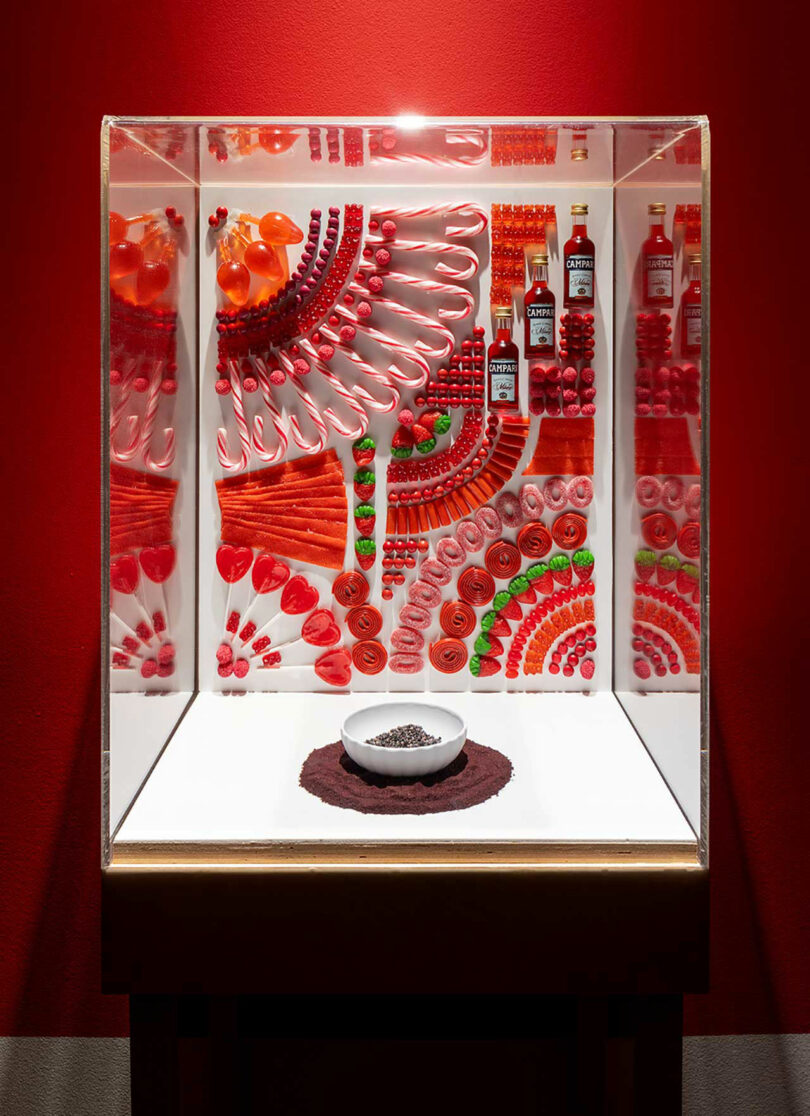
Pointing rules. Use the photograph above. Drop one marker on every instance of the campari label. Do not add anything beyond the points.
(659, 277)
(579, 276)
(503, 379)
(692, 322)
(541, 326)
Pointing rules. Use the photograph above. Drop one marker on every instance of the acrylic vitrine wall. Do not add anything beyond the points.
(316, 503)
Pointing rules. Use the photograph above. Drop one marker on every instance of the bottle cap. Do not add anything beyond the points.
(694, 258)
(578, 210)
(503, 312)
(579, 154)
(540, 259)
(656, 207)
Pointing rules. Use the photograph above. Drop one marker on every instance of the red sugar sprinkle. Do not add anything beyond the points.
(224, 653)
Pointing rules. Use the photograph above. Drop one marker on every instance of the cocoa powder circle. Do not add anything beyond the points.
(477, 774)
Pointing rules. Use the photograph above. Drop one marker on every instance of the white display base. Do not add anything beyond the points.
(581, 778)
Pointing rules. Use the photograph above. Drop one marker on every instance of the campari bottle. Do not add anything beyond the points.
(502, 364)
(658, 263)
(579, 257)
(539, 311)
(691, 312)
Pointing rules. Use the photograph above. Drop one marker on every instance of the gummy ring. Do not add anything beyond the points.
(470, 536)
(569, 530)
(424, 594)
(407, 639)
(369, 656)
(448, 655)
(531, 501)
(489, 521)
(436, 572)
(508, 508)
(672, 493)
(659, 530)
(350, 588)
(457, 619)
(414, 616)
(364, 621)
(555, 493)
(580, 492)
(692, 502)
(403, 663)
(534, 540)
(502, 559)
(451, 552)
(648, 491)
(476, 586)
(689, 539)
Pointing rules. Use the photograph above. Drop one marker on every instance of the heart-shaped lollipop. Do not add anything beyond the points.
(124, 574)
(320, 628)
(233, 562)
(298, 596)
(335, 667)
(269, 573)
(157, 562)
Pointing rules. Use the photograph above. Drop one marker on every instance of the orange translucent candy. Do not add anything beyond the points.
(125, 257)
(263, 259)
(277, 228)
(234, 279)
(118, 228)
(276, 140)
(151, 281)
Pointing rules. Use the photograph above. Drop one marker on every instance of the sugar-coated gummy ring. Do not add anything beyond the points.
(689, 539)
(555, 493)
(659, 530)
(672, 493)
(580, 492)
(457, 619)
(424, 594)
(407, 639)
(476, 586)
(489, 521)
(369, 656)
(414, 616)
(502, 559)
(451, 552)
(534, 540)
(448, 655)
(364, 621)
(648, 491)
(350, 588)
(569, 530)
(470, 535)
(436, 572)
(404, 663)
(508, 507)
(531, 501)
(692, 501)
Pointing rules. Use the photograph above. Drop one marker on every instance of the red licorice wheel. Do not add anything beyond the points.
(350, 588)
(369, 656)
(476, 586)
(502, 559)
(364, 621)
(448, 655)
(659, 530)
(534, 540)
(689, 539)
(569, 530)
(457, 619)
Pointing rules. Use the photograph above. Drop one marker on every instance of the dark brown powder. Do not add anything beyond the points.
(478, 773)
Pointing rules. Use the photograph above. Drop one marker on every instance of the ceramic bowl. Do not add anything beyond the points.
(371, 721)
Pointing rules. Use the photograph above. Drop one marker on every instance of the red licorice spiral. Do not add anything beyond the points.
(350, 588)
(534, 540)
(569, 530)
(457, 619)
(369, 656)
(503, 559)
(476, 586)
(448, 655)
(689, 539)
(364, 621)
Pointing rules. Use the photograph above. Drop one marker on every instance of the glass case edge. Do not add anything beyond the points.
(705, 476)
(104, 297)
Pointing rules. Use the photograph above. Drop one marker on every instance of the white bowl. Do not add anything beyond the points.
(436, 721)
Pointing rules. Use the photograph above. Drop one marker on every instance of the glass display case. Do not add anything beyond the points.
(403, 413)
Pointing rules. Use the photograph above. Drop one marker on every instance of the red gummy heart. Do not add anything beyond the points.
(298, 596)
(335, 667)
(269, 573)
(157, 562)
(320, 629)
(124, 574)
(233, 562)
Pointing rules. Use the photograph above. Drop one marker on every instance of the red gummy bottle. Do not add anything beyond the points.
(502, 364)
(658, 260)
(539, 311)
(579, 259)
(691, 311)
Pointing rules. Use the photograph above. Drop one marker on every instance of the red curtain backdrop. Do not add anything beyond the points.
(71, 63)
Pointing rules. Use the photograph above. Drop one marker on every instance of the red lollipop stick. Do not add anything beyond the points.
(125, 578)
(233, 562)
(297, 596)
(320, 629)
(268, 574)
(157, 563)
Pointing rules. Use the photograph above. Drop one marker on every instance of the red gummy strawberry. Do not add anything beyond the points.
(364, 483)
(645, 564)
(428, 419)
(687, 579)
(364, 519)
(560, 566)
(495, 645)
(582, 563)
(511, 610)
(482, 666)
(365, 551)
(527, 597)
(696, 595)
(668, 567)
(500, 626)
(543, 584)
(425, 442)
(402, 442)
(363, 451)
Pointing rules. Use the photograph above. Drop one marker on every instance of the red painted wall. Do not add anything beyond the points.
(69, 64)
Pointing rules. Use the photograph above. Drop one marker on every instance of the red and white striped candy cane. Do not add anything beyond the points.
(312, 409)
(477, 139)
(381, 406)
(415, 317)
(432, 286)
(266, 388)
(117, 416)
(346, 431)
(153, 398)
(439, 247)
(464, 209)
(398, 347)
(232, 465)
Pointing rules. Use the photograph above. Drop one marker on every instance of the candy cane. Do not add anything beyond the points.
(133, 445)
(464, 209)
(415, 317)
(381, 378)
(311, 408)
(148, 425)
(391, 343)
(475, 138)
(434, 287)
(266, 388)
(440, 247)
(340, 389)
(223, 453)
